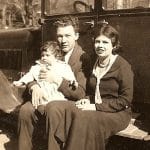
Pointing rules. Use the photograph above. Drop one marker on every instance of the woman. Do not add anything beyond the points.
(86, 124)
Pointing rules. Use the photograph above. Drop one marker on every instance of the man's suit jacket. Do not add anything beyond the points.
(80, 63)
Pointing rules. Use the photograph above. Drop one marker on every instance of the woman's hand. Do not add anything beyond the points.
(86, 107)
(82, 101)
(37, 95)
(84, 104)
(50, 76)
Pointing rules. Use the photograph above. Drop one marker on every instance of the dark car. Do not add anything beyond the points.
(20, 45)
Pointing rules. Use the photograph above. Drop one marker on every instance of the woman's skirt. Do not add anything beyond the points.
(84, 130)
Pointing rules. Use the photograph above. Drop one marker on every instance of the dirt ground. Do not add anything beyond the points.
(7, 141)
(8, 132)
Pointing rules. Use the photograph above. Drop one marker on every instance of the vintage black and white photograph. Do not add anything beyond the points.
(74, 74)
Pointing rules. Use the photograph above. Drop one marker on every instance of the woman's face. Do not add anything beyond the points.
(103, 46)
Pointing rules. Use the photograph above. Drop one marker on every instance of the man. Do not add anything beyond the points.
(67, 34)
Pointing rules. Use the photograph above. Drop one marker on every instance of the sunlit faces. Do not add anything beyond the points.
(103, 46)
(66, 37)
(48, 57)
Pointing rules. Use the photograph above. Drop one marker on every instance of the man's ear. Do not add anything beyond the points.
(76, 36)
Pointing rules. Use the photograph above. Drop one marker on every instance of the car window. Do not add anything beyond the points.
(16, 14)
(125, 4)
(54, 7)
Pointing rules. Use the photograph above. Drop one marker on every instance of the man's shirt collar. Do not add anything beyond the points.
(67, 56)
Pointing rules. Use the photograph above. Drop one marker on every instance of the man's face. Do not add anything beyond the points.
(66, 38)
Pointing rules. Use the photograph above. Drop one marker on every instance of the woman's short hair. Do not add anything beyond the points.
(110, 32)
(66, 21)
(53, 47)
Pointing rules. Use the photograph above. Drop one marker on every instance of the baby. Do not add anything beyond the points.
(50, 55)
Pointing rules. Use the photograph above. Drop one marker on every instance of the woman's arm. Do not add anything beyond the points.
(125, 92)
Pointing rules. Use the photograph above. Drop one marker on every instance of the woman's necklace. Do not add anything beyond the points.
(104, 65)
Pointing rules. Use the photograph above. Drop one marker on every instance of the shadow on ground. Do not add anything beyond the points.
(8, 141)
(122, 143)
(8, 132)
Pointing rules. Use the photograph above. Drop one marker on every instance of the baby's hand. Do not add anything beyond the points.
(18, 84)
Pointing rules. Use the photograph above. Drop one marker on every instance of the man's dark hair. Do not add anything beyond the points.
(66, 21)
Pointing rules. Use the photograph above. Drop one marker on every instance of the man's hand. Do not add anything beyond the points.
(37, 95)
(50, 76)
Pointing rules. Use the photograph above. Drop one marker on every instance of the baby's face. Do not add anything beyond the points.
(47, 57)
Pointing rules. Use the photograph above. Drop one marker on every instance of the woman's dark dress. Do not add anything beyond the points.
(88, 130)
